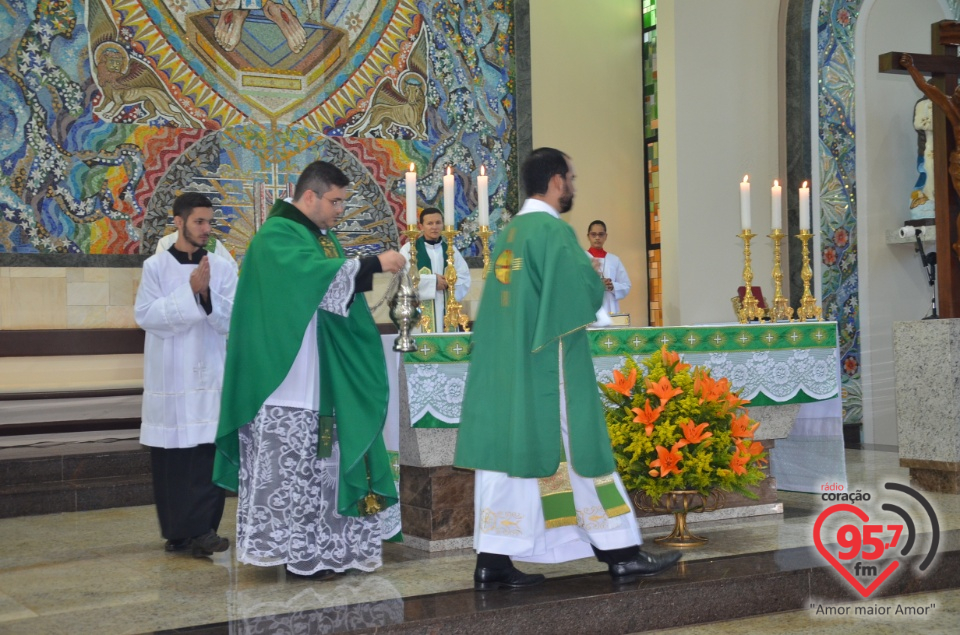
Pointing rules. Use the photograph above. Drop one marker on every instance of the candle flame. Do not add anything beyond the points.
(449, 170)
(745, 177)
(776, 183)
(804, 186)
(413, 168)
(482, 170)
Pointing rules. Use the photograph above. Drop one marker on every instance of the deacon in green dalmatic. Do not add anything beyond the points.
(532, 424)
(305, 392)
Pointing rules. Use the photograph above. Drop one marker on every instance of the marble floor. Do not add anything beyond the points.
(106, 572)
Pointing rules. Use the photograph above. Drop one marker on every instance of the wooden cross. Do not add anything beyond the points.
(944, 67)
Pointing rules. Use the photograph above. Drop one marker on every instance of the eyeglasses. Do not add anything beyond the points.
(336, 202)
(597, 235)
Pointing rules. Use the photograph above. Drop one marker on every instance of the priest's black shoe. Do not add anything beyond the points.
(485, 579)
(643, 564)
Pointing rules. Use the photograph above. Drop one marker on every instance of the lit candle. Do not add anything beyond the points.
(804, 207)
(776, 206)
(449, 193)
(745, 203)
(483, 199)
(411, 180)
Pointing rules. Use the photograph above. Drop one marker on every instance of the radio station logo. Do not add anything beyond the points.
(867, 551)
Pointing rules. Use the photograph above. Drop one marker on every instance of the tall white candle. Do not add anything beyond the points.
(483, 199)
(411, 181)
(745, 203)
(776, 206)
(804, 207)
(449, 194)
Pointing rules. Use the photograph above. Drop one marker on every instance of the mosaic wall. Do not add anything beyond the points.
(110, 108)
(836, 25)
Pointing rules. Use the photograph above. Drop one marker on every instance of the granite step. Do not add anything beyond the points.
(72, 477)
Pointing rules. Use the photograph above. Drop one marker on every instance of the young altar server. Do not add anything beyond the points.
(431, 262)
(614, 276)
(532, 425)
(305, 392)
(184, 303)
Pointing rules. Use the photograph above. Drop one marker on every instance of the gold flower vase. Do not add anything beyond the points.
(680, 503)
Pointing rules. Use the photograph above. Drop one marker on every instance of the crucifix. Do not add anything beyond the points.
(943, 66)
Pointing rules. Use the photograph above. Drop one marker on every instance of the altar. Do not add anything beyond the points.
(788, 371)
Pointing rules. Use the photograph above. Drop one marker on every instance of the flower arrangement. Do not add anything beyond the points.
(681, 430)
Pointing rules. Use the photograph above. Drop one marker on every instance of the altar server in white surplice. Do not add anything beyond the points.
(431, 261)
(184, 303)
(611, 270)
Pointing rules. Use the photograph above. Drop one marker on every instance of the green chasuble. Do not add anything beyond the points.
(284, 277)
(544, 292)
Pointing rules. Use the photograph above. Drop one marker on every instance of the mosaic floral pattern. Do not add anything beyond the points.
(110, 108)
(836, 26)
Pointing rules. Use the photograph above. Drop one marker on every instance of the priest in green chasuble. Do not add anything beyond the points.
(532, 424)
(305, 392)
(431, 262)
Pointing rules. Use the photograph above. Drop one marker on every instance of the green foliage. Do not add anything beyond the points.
(659, 439)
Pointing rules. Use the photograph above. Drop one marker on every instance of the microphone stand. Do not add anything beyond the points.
(929, 262)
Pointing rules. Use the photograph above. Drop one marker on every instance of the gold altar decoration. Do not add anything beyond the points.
(680, 503)
(412, 235)
(485, 233)
(453, 318)
(808, 309)
(749, 308)
(780, 310)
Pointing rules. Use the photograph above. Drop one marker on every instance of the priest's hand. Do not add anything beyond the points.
(608, 283)
(200, 278)
(441, 283)
(391, 261)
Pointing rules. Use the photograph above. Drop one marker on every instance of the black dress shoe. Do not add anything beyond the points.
(486, 579)
(643, 564)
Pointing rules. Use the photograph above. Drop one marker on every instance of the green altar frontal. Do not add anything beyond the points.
(770, 364)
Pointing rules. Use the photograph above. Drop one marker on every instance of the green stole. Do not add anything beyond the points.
(286, 273)
(556, 497)
(425, 265)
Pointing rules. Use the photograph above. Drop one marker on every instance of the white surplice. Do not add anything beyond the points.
(184, 350)
(428, 281)
(612, 267)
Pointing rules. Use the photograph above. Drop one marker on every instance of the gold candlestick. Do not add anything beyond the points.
(749, 309)
(485, 233)
(452, 317)
(808, 309)
(412, 235)
(781, 309)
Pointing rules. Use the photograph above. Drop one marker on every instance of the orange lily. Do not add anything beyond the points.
(694, 433)
(755, 449)
(709, 388)
(621, 384)
(671, 358)
(647, 416)
(738, 463)
(740, 427)
(667, 461)
(734, 401)
(663, 389)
